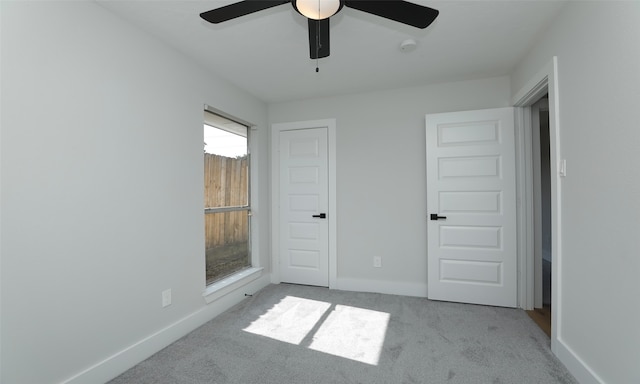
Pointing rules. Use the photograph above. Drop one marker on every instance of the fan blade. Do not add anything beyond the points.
(397, 10)
(318, 38)
(242, 8)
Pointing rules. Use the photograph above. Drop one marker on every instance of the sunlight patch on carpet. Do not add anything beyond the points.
(290, 320)
(353, 333)
(349, 332)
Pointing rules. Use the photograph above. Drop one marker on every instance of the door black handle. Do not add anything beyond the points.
(434, 216)
(320, 216)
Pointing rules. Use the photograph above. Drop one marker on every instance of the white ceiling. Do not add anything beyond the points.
(267, 53)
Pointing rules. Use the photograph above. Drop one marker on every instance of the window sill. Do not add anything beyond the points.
(227, 285)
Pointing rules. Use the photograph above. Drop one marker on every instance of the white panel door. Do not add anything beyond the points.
(304, 200)
(472, 207)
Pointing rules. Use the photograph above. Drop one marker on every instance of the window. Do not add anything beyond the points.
(226, 197)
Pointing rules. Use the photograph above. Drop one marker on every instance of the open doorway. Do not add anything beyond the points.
(545, 82)
(541, 194)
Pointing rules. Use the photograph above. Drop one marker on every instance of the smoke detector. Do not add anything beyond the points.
(408, 45)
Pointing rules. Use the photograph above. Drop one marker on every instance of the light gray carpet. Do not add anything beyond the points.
(299, 334)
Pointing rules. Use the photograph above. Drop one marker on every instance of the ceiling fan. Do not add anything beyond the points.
(318, 13)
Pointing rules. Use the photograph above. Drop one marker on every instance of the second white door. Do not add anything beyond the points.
(304, 200)
(472, 207)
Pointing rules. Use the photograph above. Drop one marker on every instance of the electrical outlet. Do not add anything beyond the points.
(166, 298)
(377, 261)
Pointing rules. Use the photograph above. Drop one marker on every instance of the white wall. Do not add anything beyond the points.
(598, 50)
(102, 191)
(381, 180)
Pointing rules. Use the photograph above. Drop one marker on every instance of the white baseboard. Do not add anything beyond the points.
(121, 361)
(578, 368)
(388, 287)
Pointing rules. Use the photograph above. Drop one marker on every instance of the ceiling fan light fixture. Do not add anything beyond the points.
(317, 9)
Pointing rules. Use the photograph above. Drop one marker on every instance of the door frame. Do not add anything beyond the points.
(276, 128)
(544, 82)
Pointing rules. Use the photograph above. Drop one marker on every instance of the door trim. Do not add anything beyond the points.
(276, 128)
(545, 81)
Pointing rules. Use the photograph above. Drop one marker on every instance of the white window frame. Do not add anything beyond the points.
(220, 288)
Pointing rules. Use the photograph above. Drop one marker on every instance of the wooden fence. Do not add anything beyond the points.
(225, 185)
